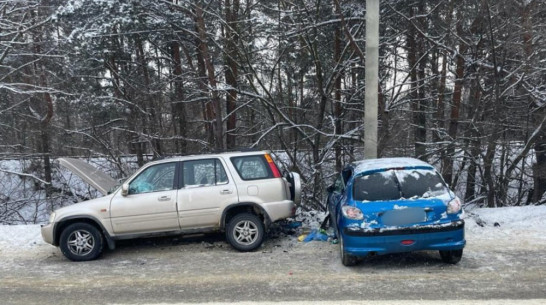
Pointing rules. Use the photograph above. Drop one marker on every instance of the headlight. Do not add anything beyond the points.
(352, 213)
(52, 217)
(454, 206)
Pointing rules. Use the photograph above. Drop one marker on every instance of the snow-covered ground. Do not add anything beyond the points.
(528, 221)
(518, 227)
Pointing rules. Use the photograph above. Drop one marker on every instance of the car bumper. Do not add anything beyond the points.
(47, 233)
(279, 210)
(362, 242)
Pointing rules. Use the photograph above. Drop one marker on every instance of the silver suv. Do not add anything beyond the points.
(239, 193)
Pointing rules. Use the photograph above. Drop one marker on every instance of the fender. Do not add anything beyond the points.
(86, 218)
(253, 205)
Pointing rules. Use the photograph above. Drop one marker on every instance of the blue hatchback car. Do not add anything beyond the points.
(390, 205)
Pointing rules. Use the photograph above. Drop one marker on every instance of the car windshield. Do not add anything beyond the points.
(393, 185)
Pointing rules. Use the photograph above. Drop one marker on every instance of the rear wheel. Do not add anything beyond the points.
(346, 259)
(451, 256)
(81, 242)
(245, 232)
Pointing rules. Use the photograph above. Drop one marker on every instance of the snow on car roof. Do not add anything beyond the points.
(385, 163)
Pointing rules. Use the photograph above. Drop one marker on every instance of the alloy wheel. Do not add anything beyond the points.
(245, 232)
(81, 242)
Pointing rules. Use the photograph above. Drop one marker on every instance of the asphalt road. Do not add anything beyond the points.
(206, 269)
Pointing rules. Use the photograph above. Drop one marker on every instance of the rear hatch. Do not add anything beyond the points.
(401, 198)
(403, 213)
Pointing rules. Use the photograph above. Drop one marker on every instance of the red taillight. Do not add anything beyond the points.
(272, 166)
(407, 242)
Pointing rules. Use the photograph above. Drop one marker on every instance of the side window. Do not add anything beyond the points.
(155, 178)
(205, 172)
(252, 167)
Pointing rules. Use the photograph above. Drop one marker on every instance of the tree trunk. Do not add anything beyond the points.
(421, 119)
(473, 143)
(204, 50)
(337, 95)
(455, 104)
(151, 122)
(208, 109)
(488, 175)
(179, 108)
(41, 78)
(416, 93)
(539, 168)
(440, 105)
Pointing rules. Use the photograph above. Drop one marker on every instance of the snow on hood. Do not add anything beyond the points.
(90, 174)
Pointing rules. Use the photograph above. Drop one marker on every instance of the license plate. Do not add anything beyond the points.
(402, 217)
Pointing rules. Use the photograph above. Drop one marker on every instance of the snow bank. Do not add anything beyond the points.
(485, 223)
(20, 237)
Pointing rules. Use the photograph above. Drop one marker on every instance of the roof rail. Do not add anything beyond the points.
(239, 149)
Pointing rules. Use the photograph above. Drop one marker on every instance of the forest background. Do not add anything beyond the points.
(462, 86)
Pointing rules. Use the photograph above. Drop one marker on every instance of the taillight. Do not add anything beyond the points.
(272, 166)
(352, 212)
(454, 206)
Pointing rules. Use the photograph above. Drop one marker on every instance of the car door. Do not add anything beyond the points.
(150, 205)
(334, 197)
(206, 190)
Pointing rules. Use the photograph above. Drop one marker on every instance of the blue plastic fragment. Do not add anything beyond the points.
(316, 235)
(293, 225)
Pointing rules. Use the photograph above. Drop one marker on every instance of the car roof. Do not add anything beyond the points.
(376, 165)
(228, 154)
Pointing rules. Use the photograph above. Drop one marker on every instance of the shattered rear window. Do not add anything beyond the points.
(419, 183)
(379, 186)
(397, 184)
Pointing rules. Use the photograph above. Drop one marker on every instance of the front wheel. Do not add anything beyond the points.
(245, 232)
(451, 256)
(81, 242)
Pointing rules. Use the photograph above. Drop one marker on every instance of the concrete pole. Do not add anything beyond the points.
(372, 79)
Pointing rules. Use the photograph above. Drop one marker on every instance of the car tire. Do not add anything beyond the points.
(346, 259)
(245, 232)
(451, 256)
(81, 242)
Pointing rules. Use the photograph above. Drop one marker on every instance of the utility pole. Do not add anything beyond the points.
(372, 79)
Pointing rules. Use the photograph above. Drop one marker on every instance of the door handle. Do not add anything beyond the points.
(226, 192)
(164, 198)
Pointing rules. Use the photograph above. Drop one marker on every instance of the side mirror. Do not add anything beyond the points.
(125, 189)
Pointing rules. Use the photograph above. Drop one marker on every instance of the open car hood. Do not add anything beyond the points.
(90, 174)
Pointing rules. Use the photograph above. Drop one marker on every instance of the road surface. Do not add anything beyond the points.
(510, 266)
